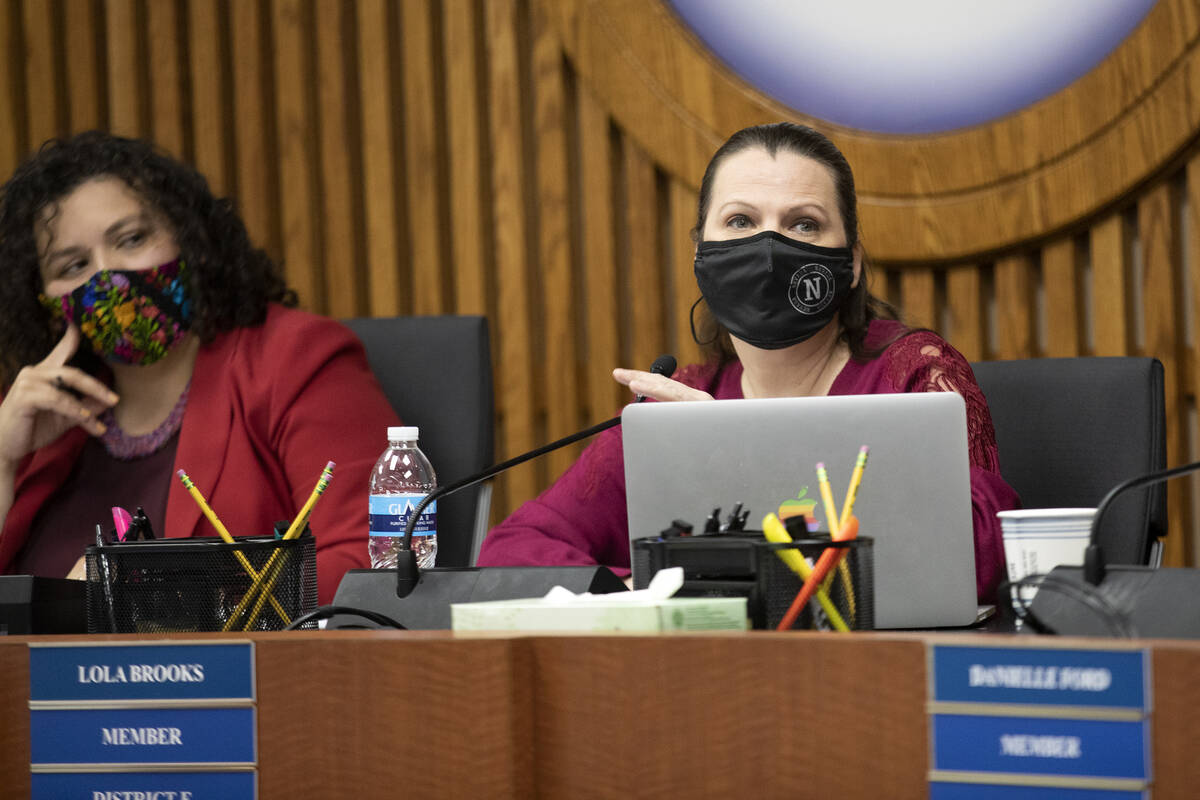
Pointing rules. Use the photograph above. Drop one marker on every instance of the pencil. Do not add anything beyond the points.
(207, 511)
(227, 538)
(855, 480)
(824, 564)
(318, 490)
(860, 464)
(774, 531)
(272, 571)
(827, 498)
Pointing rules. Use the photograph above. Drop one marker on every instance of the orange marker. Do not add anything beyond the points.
(824, 564)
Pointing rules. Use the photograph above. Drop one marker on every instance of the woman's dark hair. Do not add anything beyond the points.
(231, 281)
(860, 307)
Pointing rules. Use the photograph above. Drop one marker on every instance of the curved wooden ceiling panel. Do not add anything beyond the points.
(922, 198)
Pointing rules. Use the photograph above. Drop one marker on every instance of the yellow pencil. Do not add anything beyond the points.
(835, 529)
(827, 498)
(774, 531)
(227, 538)
(855, 480)
(272, 571)
(302, 518)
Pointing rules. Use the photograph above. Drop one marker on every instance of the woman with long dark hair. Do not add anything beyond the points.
(785, 312)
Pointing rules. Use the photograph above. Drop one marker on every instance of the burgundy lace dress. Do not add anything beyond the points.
(581, 518)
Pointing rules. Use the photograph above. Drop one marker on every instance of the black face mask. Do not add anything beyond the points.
(771, 291)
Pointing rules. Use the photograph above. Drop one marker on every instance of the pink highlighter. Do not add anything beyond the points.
(122, 519)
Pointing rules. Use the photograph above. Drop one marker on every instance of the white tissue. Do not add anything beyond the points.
(664, 584)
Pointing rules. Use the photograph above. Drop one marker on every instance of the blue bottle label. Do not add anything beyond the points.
(390, 513)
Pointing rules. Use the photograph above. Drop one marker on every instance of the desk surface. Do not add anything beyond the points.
(608, 716)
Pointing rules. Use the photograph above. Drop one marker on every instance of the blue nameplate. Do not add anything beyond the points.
(142, 736)
(218, 671)
(1037, 676)
(981, 791)
(1041, 746)
(157, 785)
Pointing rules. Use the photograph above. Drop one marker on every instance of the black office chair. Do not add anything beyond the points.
(1070, 429)
(437, 374)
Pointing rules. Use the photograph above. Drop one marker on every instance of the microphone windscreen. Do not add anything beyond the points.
(664, 365)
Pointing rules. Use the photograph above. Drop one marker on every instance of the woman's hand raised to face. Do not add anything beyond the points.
(49, 398)
(660, 387)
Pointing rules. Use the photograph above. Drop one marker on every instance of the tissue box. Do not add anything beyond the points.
(648, 616)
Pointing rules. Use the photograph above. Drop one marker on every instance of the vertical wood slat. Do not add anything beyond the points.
(1191, 548)
(167, 103)
(647, 327)
(1060, 279)
(297, 175)
(421, 145)
(41, 72)
(514, 372)
(86, 108)
(380, 159)
(125, 98)
(964, 302)
(918, 297)
(254, 124)
(682, 216)
(341, 253)
(1014, 307)
(1111, 266)
(12, 87)
(467, 178)
(561, 388)
(205, 50)
(1164, 339)
(599, 257)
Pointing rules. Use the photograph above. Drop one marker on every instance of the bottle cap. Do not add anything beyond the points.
(406, 433)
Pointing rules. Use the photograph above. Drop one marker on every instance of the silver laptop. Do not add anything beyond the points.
(683, 459)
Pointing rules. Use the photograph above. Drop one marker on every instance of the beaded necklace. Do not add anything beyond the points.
(124, 447)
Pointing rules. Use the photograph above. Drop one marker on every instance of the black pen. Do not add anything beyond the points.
(105, 578)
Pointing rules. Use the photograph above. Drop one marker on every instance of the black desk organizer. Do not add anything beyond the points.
(173, 585)
(744, 564)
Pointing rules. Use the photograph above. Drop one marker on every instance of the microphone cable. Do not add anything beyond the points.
(325, 612)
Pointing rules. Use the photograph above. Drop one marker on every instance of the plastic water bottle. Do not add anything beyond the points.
(401, 479)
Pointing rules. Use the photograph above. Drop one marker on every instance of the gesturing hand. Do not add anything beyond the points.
(660, 387)
(41, 405)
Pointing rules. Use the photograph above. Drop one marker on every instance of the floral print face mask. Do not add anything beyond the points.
(129, 316)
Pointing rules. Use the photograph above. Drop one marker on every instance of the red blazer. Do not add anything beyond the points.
(268, 406)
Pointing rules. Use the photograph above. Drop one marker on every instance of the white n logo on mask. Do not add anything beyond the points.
(811, 288)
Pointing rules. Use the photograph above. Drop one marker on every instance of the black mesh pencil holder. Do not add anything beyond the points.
(745, 564)
(851, 591)
(200, 584)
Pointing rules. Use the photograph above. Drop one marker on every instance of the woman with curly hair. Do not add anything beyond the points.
(140, 333)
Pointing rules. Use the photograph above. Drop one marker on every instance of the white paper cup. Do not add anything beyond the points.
(1037, 540)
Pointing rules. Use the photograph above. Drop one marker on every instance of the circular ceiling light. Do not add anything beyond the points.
(912, 67)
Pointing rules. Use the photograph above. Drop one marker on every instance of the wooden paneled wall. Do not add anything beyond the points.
(537, 161)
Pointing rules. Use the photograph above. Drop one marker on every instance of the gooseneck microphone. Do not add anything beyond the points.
(1097, 599)
(408, 574)
(1094, 568)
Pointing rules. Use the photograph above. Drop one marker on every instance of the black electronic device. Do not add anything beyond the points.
(428, 606)
(744, 564)
(31, 605)
(1102, 600)
(383, 591)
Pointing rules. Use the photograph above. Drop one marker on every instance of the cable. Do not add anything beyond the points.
(325, 612)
